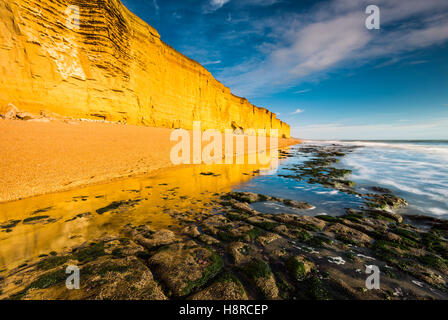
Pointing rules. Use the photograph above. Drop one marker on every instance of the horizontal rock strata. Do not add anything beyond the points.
(111, 66)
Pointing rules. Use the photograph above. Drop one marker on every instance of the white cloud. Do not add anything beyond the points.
(218, 3)
(333, 35)
(177, 15)
(416, 62)
(258, 2)
(206, 63)
(214, 5)
(156, 6)
(329, 131)
(387, 63)
(302, 91)
(298, 111)
(321, 45)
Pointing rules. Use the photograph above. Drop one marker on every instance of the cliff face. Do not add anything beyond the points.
(113, 67)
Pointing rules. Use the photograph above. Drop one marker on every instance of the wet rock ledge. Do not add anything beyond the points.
(240, 253)
(236, 252)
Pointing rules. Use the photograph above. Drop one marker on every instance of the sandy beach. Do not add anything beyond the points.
(46, 157)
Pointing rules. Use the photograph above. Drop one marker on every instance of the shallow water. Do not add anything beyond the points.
(414, 170)
(325, 200)
(58, 222)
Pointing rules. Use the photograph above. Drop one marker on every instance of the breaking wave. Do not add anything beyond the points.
(415, 170)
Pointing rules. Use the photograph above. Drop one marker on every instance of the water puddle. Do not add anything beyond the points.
(325, 200)
(57, 222)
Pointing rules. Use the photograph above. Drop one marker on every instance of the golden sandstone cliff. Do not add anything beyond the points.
(111, 66)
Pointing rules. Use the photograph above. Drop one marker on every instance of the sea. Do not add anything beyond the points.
(414, 170)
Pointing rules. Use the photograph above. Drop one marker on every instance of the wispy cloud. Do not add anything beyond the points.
(206, 63)
(214, 5)
(333, 35)
(298, 111)
(328, 131)
(302, 91)
(177, 15)
(258, 2)
(156, 6)
(387, 63)
(416, 62)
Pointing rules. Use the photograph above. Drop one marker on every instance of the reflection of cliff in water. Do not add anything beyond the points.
(57, 222)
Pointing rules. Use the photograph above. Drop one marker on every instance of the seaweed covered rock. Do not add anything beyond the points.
(318, 169)
(243, 207)
(349, 235)
(155, 239)
(239, 201)
(268, 238)
(385, 201)
(109, 269)
(227, 287)
(262, 277)
(248, 197)
(240, 252)
(299, 267)
(306, 222)
(297, 204)
(126, 278)
(385, 214)
(191, 231)
(184, 267)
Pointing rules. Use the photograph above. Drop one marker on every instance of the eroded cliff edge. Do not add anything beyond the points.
(113, 67)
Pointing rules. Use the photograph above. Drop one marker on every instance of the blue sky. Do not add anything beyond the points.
(316, 65)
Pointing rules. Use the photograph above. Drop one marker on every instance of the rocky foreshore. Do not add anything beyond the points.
(235, 252)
